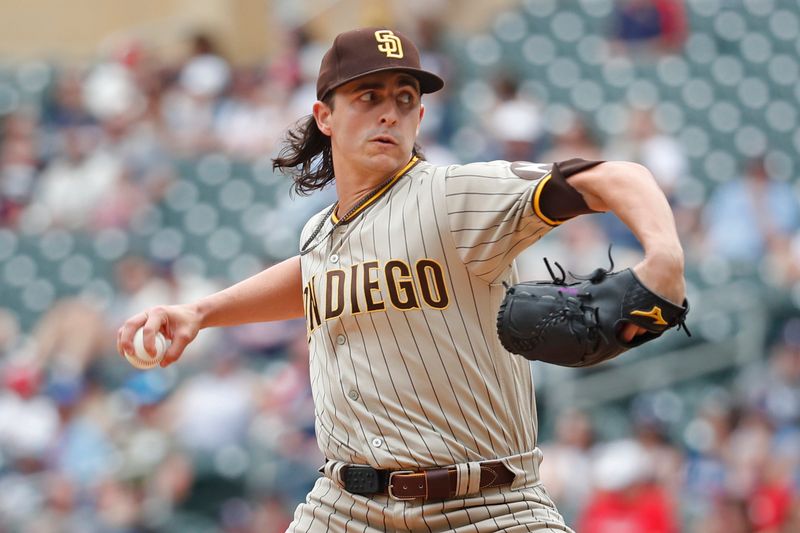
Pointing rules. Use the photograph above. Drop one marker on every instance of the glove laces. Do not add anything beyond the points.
(597, 276)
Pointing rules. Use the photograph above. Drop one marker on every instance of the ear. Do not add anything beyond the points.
(421, 114)
(322, 116)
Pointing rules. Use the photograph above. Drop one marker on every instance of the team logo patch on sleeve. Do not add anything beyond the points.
(530, 171)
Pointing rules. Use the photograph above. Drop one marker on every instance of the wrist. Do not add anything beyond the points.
(200, 312)
(670, 259)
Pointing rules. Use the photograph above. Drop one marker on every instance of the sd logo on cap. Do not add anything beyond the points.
(389, 43)
(365, 51)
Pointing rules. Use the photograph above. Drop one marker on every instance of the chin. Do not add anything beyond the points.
(387, 162)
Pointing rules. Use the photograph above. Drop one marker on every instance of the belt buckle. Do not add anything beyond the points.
(389, 486)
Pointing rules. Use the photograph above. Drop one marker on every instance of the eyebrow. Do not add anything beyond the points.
(404, 81)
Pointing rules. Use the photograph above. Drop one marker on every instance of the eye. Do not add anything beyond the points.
(368, 96)
(406, 98)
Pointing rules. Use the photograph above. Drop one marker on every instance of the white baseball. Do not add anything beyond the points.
(140, 358)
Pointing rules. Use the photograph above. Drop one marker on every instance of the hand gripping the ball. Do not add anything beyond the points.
(578, 324)
(178, 323)
(141, 358)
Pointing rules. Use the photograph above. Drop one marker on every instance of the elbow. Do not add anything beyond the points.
(611, 177)
(629, 177)
(626, 173)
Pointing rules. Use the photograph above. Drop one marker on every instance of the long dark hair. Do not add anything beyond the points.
(306, 154)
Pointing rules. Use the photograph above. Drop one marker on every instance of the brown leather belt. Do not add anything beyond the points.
(433, 484)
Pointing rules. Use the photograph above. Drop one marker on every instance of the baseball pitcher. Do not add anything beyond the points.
(426, 421)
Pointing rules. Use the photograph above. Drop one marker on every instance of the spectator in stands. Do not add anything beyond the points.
(84, 451)
(286, 424)
(651, 431)
(58, 347)
(774, 386)
(706, 472)
(66, 109)
(206, 72)
(10, 334)
(252, 116)
(625, 497)
(188, 107)
(567, 472)
(573, 138)
(747, 219)
(757, 476)
(643, 142)
(212, 410)
(136, 140)
(636, 23)
(28, 421)
(793, 272)
(648, 25)
(728, 514)
(514, 122)
(439, 124)
(74, 184)
(110, 91)
(285, 69)
(674, 23)
(19, 166)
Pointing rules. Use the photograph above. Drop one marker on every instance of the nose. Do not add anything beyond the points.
(389, 113)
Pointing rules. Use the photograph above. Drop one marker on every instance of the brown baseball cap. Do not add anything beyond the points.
(365, 51)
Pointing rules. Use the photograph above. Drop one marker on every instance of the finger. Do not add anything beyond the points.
(155, 320)
(629, 331)
(175, 350)
(127, 331)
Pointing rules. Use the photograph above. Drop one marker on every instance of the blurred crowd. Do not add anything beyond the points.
(733, 468)
(224, 441)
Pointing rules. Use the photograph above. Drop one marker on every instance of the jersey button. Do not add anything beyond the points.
(340, 340)
(377, 442)
(334, 258)
(353, 395)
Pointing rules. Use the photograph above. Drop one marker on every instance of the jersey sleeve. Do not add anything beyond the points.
(491, 213)
(497, 209)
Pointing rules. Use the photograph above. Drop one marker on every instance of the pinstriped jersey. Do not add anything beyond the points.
(401, 301)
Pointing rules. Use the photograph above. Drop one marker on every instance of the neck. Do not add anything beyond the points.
(349, 192)
(352, 186)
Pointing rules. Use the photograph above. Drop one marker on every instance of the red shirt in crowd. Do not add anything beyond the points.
(643, 509)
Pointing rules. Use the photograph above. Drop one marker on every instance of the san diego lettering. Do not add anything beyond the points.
(369, 287)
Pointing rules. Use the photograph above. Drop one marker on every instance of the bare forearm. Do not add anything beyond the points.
(630, 192)
(274, 294)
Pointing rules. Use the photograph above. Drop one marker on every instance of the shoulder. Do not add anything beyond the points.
(489, 169)
(524, 170)
(485, 168)
(425, 170)
(482, 168)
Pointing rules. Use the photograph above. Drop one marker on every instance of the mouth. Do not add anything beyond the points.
(387, 140)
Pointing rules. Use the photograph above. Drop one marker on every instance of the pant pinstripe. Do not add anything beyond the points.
(330, 508)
